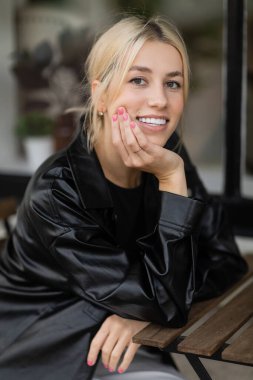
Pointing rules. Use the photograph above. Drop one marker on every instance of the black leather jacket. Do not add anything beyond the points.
(62, 271)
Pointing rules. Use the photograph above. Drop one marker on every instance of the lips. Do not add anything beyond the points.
(152, 122)
(153, 119)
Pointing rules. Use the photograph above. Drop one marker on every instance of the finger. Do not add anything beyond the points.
(142, 150)
(128, 138)
(131, 142)
(142, 140)
(117, 352)
(128, 357)
(96, 345)
(124, 120)
(117, 137)
(107, 350)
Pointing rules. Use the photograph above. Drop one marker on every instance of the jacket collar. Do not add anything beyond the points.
(90, 180)
(88, 174)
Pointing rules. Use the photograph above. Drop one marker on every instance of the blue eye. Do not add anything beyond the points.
(174, 85)
(138, 81)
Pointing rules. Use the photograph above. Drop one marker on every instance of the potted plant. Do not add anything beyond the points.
(36, 131)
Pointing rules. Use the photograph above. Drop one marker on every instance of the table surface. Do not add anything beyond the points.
(211, 324)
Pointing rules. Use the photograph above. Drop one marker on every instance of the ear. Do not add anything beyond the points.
(101, 101)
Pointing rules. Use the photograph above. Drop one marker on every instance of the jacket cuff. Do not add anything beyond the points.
(180, 212)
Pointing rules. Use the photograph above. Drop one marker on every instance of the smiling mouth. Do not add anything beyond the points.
(153, 121)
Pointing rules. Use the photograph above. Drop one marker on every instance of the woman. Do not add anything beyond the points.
(106, 238)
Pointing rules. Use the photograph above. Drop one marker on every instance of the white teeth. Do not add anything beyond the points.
(152, 120)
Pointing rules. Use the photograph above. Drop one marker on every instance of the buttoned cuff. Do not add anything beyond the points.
(180, 212)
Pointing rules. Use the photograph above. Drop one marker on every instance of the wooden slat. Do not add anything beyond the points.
(241, 350)
(249, 259)
(210, 336)
(159, 336)
(154, 335)
(8, 207)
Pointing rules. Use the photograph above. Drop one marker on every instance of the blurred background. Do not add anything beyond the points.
(43, 45)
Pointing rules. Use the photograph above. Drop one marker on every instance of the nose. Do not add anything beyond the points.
(158, 97)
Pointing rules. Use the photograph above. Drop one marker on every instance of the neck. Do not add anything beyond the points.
(114, 168)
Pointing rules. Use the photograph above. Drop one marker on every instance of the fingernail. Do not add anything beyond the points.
(114, 117)
(106, 366)
(90, 362)
(111, 370)
(120, 370)
(120, 110)
(132, 124)
(125, 116)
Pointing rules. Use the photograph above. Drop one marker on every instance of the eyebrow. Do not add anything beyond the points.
(171, 74)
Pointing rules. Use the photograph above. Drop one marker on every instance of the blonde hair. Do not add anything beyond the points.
(113, 54)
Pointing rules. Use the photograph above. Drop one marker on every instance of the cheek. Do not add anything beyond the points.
(179, 105)
(127, 99)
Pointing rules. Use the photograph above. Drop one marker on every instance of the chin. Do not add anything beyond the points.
(158, 140)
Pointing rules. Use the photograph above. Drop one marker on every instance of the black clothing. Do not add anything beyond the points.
(129, 215)
(62, 271)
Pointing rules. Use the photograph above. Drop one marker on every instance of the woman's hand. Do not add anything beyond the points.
(113, 339)
(138, 152)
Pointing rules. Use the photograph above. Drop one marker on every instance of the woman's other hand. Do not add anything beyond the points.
(138, 152)
(114, 340)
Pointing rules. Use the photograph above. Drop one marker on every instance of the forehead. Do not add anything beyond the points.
(158, 55)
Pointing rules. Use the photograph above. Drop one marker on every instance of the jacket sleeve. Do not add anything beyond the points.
(219, 263)
(156, 285)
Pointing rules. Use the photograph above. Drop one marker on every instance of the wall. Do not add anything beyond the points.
(7, 85)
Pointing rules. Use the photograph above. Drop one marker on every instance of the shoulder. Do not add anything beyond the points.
(52, 194)
(54, 170)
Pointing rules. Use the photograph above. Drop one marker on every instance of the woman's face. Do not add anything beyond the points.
(152, 92)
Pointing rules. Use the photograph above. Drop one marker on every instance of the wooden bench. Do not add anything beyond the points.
(218, 320)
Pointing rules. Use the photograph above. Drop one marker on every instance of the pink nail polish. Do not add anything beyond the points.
(90, 362)
(114, 117)
(132, 124)
(120, 110)
(111, 370)
(125, 116)
(120, 370)
(106, 366)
